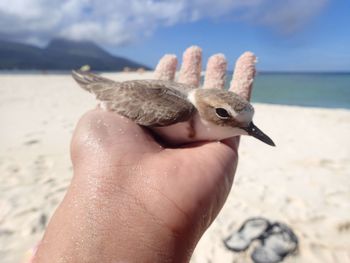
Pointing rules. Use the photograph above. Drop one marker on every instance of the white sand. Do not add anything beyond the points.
(303, 182)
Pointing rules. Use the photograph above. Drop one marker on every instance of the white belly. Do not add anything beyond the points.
(196, 130)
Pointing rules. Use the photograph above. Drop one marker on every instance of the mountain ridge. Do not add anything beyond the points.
(61, 54)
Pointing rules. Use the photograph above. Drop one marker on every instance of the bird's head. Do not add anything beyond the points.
(227, 110)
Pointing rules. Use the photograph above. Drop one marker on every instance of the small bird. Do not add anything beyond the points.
(177, 112)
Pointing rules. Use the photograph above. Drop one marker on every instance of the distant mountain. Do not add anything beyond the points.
(61, 54)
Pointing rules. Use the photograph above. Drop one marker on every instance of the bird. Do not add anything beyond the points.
(176, 112)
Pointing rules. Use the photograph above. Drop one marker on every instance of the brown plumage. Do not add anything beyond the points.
(152, 103)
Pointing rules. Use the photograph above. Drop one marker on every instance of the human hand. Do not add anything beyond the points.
(134, 200)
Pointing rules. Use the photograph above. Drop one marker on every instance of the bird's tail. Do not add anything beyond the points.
(88, 80)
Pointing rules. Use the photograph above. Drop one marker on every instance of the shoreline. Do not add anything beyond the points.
(266, 88)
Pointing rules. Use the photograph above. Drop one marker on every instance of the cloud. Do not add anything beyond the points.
(117, 22)
(289, 16)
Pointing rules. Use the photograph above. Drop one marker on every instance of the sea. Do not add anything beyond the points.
(325, 90)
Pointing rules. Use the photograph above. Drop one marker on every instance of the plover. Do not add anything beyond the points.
(177, 112)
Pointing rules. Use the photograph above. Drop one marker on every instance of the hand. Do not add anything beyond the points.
(133, 200)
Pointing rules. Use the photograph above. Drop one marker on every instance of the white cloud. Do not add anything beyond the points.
(115, 22)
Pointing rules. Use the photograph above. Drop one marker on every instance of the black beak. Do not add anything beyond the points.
(257, 133)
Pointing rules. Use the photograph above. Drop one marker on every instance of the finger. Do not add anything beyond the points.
(243, 77)
(166, 68)
(190, 72)
(215, 75)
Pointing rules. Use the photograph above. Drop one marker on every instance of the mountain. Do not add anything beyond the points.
(61, 54)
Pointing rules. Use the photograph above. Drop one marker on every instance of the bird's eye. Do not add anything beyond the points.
(222, 113)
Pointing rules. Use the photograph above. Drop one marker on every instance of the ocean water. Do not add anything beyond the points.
(327, 90)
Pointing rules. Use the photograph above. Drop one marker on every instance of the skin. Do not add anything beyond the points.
(132, 199)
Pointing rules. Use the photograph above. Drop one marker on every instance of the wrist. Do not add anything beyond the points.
(109, 223)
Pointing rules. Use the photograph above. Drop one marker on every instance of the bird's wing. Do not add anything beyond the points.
(147, 102)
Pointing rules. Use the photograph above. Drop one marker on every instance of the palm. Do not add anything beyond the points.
(190, 182)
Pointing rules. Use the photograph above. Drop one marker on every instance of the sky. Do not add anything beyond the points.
(286, 35)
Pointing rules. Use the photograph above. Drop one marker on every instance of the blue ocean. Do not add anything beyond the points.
(327, 90)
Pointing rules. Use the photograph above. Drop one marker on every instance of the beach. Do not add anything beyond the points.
(303, 182)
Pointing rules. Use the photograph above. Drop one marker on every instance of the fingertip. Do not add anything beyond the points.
(192, 50)
(219, 57)
(190, 72)
(215, 75)
(247, 58)
(248, 54)
(244, 73)
(166, 67)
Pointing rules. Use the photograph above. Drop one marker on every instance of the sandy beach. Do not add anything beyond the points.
(303, 182)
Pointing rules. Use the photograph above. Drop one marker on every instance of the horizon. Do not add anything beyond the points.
(291, 37)
(229, 72)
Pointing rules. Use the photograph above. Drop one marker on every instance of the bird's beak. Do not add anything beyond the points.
(257, 133)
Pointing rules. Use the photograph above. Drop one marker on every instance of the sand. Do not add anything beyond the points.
(303, 182)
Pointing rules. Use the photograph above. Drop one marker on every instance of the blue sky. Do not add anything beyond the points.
(323, 44)
(288, 35)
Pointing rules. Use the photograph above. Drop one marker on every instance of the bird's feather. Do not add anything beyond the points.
(152, 103)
